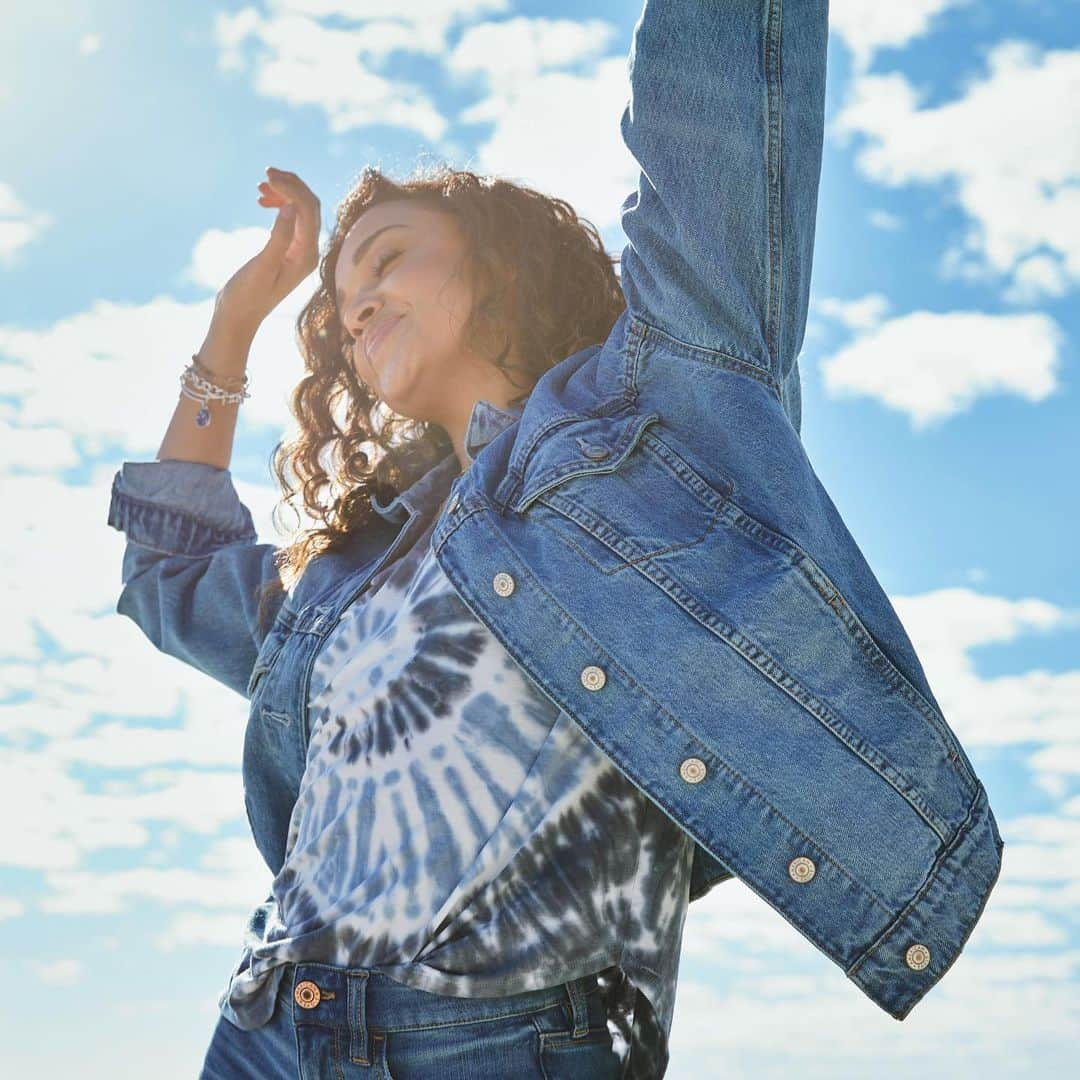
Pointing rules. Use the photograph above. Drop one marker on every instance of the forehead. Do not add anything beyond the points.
(396, 212)
(417, 219)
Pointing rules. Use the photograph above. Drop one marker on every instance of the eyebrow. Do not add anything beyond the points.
(363, 249)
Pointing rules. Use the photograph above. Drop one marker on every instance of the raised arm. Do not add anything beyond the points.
(725, 120)
(192, 570)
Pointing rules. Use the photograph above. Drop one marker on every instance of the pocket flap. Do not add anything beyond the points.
(583, 445)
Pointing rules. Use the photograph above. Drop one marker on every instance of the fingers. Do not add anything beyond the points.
(285, 187)
(269, 197)
(291, 184)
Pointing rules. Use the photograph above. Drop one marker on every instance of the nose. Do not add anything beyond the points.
(361, 319)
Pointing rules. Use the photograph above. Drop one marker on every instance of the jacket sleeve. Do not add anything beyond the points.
(191, 566)
(725, 120)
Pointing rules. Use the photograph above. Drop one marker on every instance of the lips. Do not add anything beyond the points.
(379, 331)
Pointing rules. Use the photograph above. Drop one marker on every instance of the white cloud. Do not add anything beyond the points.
(230, 879)
(862, 314)
(933, 365)
(1007, 151)
(869, 25)
(140, 351)
(59, 972)
(947, 628)
(19, 225)
(219, 253)
(763, 976)
(38, 449)
(510, 53)
(883, 219)
(541, 125)
(542, 115)
(11, 908)
(300, 62)
(1036, 278)
(63, 823)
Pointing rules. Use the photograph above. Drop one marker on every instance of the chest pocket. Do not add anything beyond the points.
(270, 650)
(618, 493)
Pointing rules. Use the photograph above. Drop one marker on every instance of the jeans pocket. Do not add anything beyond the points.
(591, 1056)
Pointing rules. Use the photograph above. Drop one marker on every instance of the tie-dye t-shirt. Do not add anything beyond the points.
(459, 832)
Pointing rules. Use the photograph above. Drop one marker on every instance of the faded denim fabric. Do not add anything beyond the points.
(683, 586)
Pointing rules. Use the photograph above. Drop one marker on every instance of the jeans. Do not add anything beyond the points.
(336, 1023)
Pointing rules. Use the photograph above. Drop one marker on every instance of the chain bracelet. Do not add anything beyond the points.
(194, 386)
(222, 380)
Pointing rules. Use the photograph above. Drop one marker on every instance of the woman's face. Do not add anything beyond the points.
(398, 272)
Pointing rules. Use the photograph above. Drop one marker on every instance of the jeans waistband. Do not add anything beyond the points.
(367, 1002)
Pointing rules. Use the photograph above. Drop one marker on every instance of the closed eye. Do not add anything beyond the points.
(380, 265)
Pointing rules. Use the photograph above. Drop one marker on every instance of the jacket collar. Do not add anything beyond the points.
(427, 493)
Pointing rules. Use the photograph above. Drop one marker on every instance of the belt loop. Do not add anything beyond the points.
(579, 1005)
(358, 1030)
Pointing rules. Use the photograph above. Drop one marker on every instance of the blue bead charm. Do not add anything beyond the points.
(202, 417)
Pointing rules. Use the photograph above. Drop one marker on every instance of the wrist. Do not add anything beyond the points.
(226, 349)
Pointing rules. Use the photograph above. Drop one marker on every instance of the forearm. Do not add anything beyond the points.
(224, 351)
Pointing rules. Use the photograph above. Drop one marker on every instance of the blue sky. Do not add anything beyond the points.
(939, 409)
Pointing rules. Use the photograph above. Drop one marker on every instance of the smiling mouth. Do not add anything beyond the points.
(381, 333)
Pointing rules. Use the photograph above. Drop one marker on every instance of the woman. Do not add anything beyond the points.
(452, 826)
(539, 679)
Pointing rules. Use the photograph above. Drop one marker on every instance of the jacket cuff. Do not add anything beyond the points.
(178, 507)
(921, 944)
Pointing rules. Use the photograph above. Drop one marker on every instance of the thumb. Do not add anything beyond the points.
(282, 228)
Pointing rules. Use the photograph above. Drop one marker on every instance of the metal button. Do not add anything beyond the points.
(597, 453)
(306, 994)
(593, 678)
(454, 503)
(503, 583)
(801, 869)
(692, 770)
(918, 956)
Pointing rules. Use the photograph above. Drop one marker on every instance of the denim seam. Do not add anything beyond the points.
(478, 1019)
(774, 105)
(942, 860)
(624, 565)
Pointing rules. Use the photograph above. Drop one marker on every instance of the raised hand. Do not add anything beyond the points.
(290, 255)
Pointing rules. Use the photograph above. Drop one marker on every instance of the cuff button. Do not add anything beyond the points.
(917, 957)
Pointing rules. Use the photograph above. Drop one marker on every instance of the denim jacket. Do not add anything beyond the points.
(649, 540)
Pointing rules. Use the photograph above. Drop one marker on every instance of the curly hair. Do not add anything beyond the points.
(546, 286)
